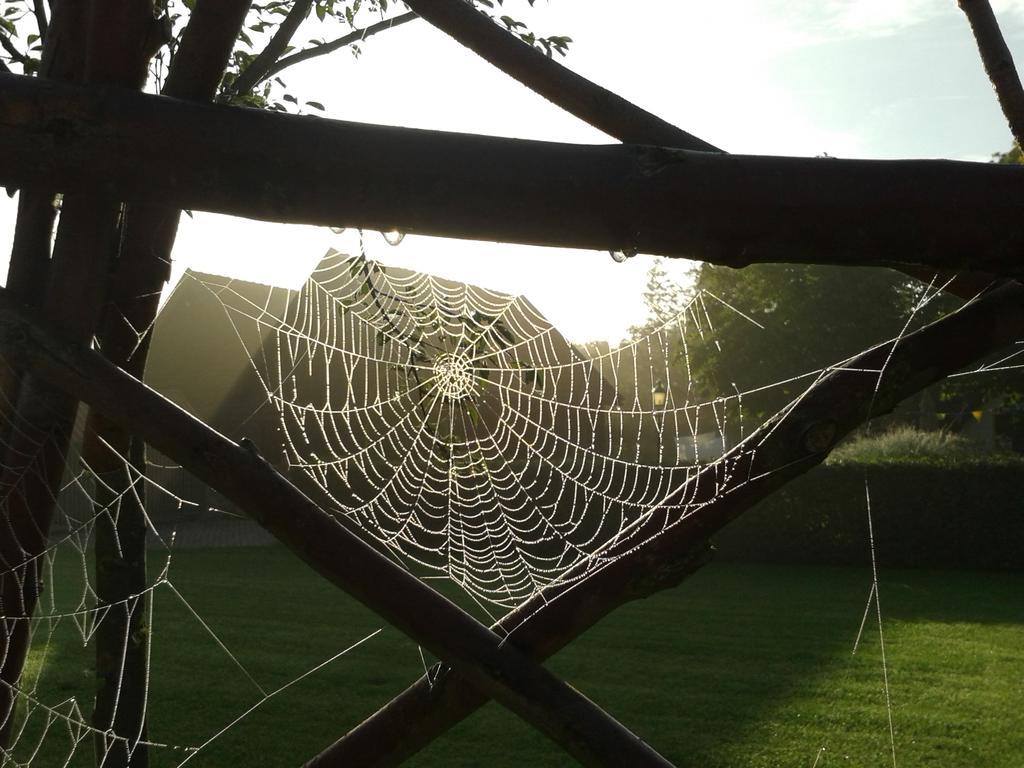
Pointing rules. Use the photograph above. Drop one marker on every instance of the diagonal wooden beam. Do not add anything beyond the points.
(241, 475)
(727, 209)
(666, 549)
(596, 106)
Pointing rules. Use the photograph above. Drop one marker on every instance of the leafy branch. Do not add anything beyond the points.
(256, 70)
(322, 49)
(549, 45)
(7, 30)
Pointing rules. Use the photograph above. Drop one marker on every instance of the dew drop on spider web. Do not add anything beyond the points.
(393, 236)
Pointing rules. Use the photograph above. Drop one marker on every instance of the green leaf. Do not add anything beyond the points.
(316, 105)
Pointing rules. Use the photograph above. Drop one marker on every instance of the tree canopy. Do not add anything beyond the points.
(771, 326)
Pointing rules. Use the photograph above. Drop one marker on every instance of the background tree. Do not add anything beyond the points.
(772, 325)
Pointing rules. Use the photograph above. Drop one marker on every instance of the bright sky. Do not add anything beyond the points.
(853, 78)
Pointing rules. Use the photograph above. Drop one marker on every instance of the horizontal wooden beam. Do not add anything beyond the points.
(322, 542)
(726, 209)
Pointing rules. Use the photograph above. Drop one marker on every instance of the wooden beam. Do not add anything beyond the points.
(727, 209)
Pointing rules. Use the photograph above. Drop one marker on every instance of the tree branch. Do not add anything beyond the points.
(593, 104)
(726, 209)
(258, 68)
(8, 46)
(40, 13)
(998, 62)
(324, 48)
(205, 49)
(242, 476)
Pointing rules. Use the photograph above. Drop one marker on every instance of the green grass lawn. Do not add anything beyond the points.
(741, 666)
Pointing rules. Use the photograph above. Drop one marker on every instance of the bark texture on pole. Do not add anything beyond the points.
(118, 38)
(63, 59)
(43, 422)
(142, 268)
(727, 209)
(998, 63)
(241, 475)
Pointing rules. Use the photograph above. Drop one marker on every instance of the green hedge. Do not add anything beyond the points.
(925, 516)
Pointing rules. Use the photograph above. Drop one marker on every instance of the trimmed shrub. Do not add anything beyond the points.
(933, 514)
(907, 445)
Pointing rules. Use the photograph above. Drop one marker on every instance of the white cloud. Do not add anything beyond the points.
(881, 17)
(817, 21)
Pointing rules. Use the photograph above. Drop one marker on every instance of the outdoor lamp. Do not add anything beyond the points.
(658, 393)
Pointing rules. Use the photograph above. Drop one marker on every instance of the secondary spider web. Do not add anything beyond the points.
(52, 722)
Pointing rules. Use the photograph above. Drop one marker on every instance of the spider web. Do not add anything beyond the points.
(452, 424)
(461, 431)
(52, 721)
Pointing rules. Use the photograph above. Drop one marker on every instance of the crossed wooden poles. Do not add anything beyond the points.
(931, 216)
(870, 384)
